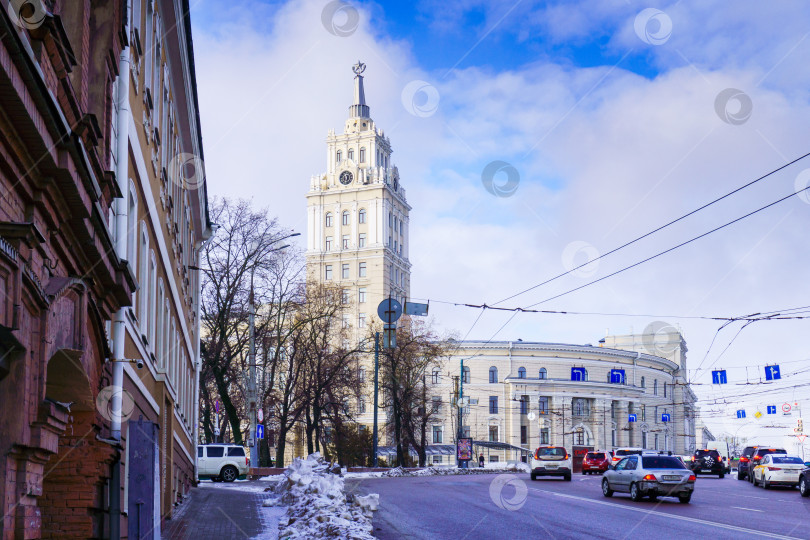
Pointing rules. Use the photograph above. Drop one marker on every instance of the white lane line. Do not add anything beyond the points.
(749, 509)
(671, 516)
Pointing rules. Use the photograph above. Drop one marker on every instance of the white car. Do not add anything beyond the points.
(778, 469)
(551, 461)
(221, 462)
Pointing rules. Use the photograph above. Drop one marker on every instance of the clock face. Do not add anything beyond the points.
(345, 178)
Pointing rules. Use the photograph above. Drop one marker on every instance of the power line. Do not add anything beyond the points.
(658, 229)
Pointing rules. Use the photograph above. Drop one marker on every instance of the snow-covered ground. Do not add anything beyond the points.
(442, 471)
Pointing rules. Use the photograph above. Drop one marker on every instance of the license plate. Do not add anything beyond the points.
(671, 478)
(705, 470)
(549, 466)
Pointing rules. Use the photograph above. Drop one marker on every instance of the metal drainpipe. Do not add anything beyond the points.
(118, 330)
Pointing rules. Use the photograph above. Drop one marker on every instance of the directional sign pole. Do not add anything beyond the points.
(376, 388)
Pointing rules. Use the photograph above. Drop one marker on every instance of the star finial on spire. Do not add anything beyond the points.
(359, 68)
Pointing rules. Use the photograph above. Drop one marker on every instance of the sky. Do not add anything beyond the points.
(533, 136)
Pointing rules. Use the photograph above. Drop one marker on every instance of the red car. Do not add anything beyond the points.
(595, 462)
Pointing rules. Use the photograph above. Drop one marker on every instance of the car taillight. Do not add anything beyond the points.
(247, 461)
(744, 459)
(649, 477)
(757, 458)
(774, 468)
(692, 478)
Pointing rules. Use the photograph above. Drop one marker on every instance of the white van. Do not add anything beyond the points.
(722, 449)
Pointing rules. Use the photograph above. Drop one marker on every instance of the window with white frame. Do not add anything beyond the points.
(344, 271)
(437, 458)
(338, 156)
(434, 376)
(350, 153)
(328, 219)
(362, 155)
(345, 218)
(361, 216)
(361, 374)
(493, 434)
(361, 320)
(160, 337)
(328, 245)
(361, 406)
(361, 269)
(361, 240)
(437, 434)
(143, 278)
(361, 294)
(152, 315)
(344, 296)
(345, 241)
(327, 272)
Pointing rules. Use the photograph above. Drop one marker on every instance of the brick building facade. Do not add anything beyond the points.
(74, 219)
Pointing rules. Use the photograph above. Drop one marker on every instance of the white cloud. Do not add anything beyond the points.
(603, 154)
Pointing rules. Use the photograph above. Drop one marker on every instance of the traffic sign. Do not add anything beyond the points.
(260, 415)
(772, 373)
(665, 417)
(389, 310)
(719, 376)
(741, 413)
(216, 431)
(801, 438)
(771, 409)
(786, 408)
(216, 406)
(419, 310)
(260, 431)
(578, 374)
(758, 415)
(631, 418)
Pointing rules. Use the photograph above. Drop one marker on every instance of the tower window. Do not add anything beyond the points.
(362, 155)
(328, 220)
(350, 153)
(345, 218)
(339, 156)
(361, 216)
(361, 269)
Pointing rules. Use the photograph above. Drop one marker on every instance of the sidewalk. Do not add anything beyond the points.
(217, 511)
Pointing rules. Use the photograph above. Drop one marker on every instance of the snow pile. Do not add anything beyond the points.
(446, 471)
(317, 506)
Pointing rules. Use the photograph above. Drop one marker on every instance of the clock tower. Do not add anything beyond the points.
(357, 222)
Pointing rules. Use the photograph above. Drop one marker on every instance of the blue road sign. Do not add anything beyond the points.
(631, 418)
(617, 376)
(578, 374)
(741, 413)
(771, 409)
(260, 431)
(389, 310)
(772, 373)
(719, 376)
(665, 417)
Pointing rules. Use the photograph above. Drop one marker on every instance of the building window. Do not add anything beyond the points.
(346, 321)
(465, 431)
(361, 321)
(361, 269)
(345, 241)
(328, 219)
(361, 295)
(613, 437)
(644, 414)
(655, 387)
(544, 436)
(361, 216)
(362, 155)
(327, 271)
(465, 375)
(579, 437)
(493, 404)
(655, 417)
(524, 404)
(542, 374)
(361, 406)
(437, 434)
(434, 377)
(665, 389)
(361, 240)
(361, 375)
(644, 439)
(493, 375)
(344, 296)
(344, 271)
(643, 384)
(655, 439)
(524, 434)
(543, 405)
(437, 458)
(613, 410)
(390, 220)
(493, 435)
(581, 407)
(328, 243)
(345, 218)
(339, 156)
(435, 404)
(522, 373)
(350, 153)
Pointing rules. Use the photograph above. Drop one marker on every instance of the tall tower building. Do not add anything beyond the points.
(357, 226)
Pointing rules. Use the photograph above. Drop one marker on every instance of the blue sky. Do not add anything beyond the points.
(613, 114)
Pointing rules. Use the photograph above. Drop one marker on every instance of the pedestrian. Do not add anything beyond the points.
(481, 461)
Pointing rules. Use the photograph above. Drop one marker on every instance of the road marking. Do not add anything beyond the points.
(671, 516)
(749, 509)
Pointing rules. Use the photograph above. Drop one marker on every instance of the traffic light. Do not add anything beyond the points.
(799, 426)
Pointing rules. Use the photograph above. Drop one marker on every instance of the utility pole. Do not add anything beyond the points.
(456, 402)
(376, 388)
(252, 397)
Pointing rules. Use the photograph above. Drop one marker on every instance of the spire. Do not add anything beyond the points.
(359, 107)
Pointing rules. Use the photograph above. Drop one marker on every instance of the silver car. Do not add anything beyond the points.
(650, 475)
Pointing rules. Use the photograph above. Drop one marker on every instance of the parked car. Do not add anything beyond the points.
(759, 453)
(619, 453)
(221, 462)
(744, 465)
(595, 462)
(650, 475)
(778, 469)
(804, 481)
(551, 461)
(708, 462)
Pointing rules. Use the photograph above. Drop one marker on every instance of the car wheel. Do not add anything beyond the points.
(721, 475)
(229, 473)
(584, 473)
(754, 480)
(740, 476)
(804, 489)
(653, 497)
(684, 498)
(533, 476)
(765, 483)
(568, 477)
(635, 493)
(606, 491)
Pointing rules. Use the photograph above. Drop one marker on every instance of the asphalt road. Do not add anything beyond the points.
(513, 506)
